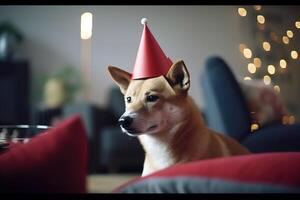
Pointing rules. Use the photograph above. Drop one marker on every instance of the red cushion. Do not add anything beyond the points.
(276, 169)
(55, 161)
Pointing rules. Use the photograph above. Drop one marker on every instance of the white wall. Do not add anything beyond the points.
(191, 33)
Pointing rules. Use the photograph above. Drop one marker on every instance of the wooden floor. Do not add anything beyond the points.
(106, 183)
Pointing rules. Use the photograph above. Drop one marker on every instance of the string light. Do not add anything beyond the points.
(267, 80)
(251, 68)
(288, 119)
(260, 19)
(282, 63)
(294, 54)
(254, 127)
(257, 62)
(297, 24)
(285, 40)
(242, 12)
(276, 88)
(247, 53)
(257, 7)
(271, 69)
(266, 46)
(292, 119)
(285, 119)
(289, 33)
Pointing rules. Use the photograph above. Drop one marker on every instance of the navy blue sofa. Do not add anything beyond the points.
(226, 112)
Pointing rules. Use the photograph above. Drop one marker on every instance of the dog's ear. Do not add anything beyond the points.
(178, 76)
(121, 77)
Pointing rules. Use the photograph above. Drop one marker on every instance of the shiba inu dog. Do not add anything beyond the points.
(166, 120)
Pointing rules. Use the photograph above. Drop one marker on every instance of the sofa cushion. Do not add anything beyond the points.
(274, 138)
(53, 161)
(255, 173)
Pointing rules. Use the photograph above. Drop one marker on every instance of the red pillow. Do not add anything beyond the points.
(55, 161)
(267, 172)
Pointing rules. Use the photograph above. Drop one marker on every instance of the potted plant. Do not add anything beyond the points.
(56, 89)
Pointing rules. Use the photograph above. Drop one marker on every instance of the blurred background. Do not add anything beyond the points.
(54, 63)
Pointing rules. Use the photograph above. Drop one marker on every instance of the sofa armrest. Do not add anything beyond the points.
(226, 109)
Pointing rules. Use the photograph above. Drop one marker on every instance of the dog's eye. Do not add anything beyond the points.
(128, 99)
(152, 98)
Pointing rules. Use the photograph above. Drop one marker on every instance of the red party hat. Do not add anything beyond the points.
(151, 60)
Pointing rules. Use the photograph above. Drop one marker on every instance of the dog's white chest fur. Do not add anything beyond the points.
(158, 155)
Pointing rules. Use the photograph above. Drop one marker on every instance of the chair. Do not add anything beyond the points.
(94, 118)
(118, 151)
(226, 112)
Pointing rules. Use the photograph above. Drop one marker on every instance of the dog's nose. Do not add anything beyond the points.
(125, 122)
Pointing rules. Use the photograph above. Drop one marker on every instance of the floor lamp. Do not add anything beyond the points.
(86, 27)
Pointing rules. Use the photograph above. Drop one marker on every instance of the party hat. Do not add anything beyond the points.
(151, 60)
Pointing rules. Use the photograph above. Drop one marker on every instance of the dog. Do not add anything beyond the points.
(167, 122)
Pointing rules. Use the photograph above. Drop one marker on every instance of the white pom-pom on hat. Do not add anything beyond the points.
(144, 21)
